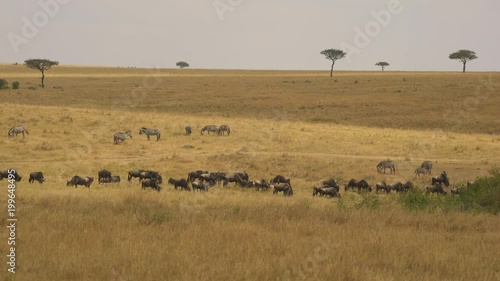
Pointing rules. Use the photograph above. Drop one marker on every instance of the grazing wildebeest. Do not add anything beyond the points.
(237, 177)
(218, 176)
(427, 165)
(77, 180)
(112, 179)
(222, 129)
(401, 187)
(280, 179)
(151, 183)
(153, 175)
(443, 178)
(150, 132)
(208, 177)
(189, 130)
(210, 128)
(261, 184)
(199, 185)
(382, 186)
(245, 183)
(102, 175)
(195, 175)
(286, 188)
(362, 184)
(331, 183)
(5, 174)
(435, 189)
(179, 183)
(36, 176)
(121, 137)
(17, 130)
(386, 164)
(135, 174)
(325, 190)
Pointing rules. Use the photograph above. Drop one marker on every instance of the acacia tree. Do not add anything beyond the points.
(464, 56)
(382, 64)
(41, 65)
(182, 64)
(333, 55)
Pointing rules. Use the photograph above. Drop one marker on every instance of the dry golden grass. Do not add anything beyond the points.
(308, 131)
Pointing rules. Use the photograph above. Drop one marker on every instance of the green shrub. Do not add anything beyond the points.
(15, 85)
(3, 84)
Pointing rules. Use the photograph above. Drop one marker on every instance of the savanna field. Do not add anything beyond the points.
(302, 124)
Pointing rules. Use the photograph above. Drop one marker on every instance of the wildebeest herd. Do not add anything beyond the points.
(202, 180)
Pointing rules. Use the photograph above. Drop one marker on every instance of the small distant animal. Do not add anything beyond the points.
(5, 175)
(17, 130)
(36, 176)
(121, 137)
(102, 175)
(135, 174)
(286, 188)
(427, 165)
(77, 180)
(386, 164)
(362, 184)
(210, 128)
(182, 183)
(199, 185)
(435, 189)
(422, 171)
(442, 178)
(112, 179)
(151, 183)
(224, 128)
(150, 132)
(261, 184)
(382, 186)
(195, 175)
(325, 190)
(189, 130)
(280, 179)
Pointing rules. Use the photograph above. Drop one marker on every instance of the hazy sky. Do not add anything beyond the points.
(252, 34)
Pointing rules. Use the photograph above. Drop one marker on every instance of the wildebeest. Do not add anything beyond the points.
(5, 174)
(210, 128)
(427, 165)
(286, 188)
(437, 188)
(199, 185)
(189, 130)
(442, 178)
(280, 179)
(112, 179)
(36, 176)
(386, 164)
(195, 175)
(325, 190)
(382, 186)
(236, 177)
(401, 187)
(182, 183)
(102, 175)
(17, 130)
(153, 175)
(77, 180)
(261, 184)
(135, 174)
(151, 183)
(150, 132)
(218, 176)
(121, 137)
(420, 171)
(224, 128)
(362, 184)
(331, 183)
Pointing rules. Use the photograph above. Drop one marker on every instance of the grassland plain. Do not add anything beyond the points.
(281, 124)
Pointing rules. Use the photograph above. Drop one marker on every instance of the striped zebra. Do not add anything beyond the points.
(148, 132)
(17, 130)
(224, 128)
(387, 164)
(210, 128)
(120, 137)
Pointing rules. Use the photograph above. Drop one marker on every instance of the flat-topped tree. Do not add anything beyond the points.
(41, 65)
(382, 64)
(333, 55)
(464, 56)
(182, 64)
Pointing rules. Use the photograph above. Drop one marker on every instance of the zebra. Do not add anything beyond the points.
(120, 137)
(222, 129)
(17, 130)
(210, 128)
(189, 130)
(148, 132)
(386, 164)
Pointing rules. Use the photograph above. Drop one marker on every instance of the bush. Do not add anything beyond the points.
(15, 85)
(482, 196)
(3, 84)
